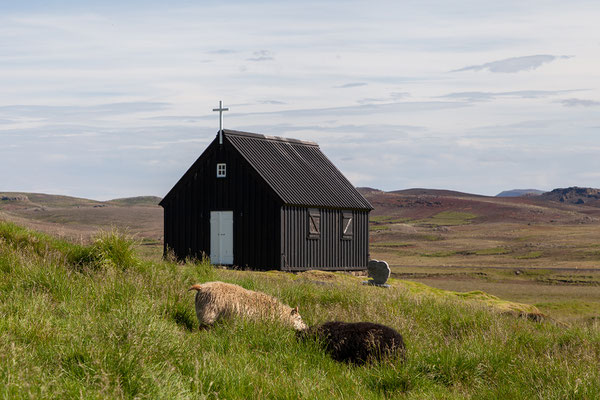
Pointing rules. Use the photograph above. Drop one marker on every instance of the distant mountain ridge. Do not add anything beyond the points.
(23, 199)
(434, 192)
(418, 192)
(520, 192)
(574, 195)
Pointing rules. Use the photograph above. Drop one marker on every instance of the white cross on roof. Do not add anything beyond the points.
(220, 110)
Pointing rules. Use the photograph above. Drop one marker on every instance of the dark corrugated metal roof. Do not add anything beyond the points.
(297, 171)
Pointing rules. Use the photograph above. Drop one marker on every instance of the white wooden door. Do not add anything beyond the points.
(221, 237)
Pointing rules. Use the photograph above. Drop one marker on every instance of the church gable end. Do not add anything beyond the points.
(236, 187)
(267, 202)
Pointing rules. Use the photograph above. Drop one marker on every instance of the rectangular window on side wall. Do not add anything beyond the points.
(314, 223)
(347, 222)
(221, 170)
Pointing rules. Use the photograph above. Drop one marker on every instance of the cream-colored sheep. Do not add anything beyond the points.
(215, 300)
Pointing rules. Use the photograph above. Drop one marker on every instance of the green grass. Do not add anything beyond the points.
(379, 227)
(571, 307)
(387, 219)
(429, 237)
(382, 222)
(595, 255)
(439, 254)
(391, 244)
(105, 324)
(448, 218)
(478, 296)
(492, 251)
(529, 256)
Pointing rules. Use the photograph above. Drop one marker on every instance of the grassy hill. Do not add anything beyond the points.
(80, 219)
(419, 204)
(136, 201)
(21, 200)
(95, 321)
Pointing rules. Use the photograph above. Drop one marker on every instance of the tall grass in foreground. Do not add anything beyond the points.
(91, 322)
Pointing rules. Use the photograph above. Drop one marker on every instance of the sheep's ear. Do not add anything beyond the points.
(295, 310)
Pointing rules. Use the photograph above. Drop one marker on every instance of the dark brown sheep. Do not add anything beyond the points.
(357, 342)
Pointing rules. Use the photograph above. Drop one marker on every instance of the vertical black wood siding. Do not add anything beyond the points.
(256, 210)
(266, 233)
(328, 252)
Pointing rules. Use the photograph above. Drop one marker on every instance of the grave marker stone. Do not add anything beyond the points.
(379, 272)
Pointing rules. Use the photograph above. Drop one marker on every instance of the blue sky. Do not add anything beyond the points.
(112, 99)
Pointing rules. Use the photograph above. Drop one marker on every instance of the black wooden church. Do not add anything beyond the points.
(266, 202)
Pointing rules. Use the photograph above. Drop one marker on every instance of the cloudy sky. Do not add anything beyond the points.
(106, 99)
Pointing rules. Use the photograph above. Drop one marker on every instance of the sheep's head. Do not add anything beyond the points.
(299, 325)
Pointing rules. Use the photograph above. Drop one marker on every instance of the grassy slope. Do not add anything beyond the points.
(96, 322)
(454, 240)
(136, 201)
(49, 200)
(78, 218)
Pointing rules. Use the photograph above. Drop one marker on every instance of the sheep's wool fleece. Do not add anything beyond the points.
(215, 300)
(358, 342)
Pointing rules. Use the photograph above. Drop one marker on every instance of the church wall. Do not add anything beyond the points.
(328, 250)
(255, 208)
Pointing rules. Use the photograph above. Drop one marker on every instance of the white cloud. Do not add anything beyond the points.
(579, 103)
(514, 64)
(523, 94)
(261, 55)
(126, 92)
(351, 85)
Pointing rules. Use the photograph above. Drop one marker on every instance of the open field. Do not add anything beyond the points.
(520, 249)
(489, 244)
(445, 239)
(95, 321)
